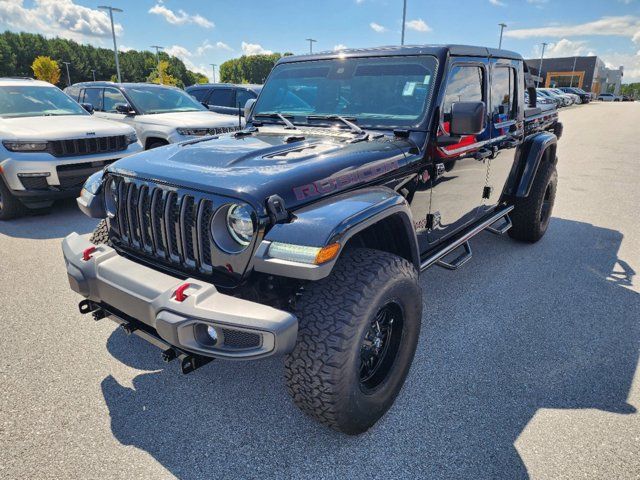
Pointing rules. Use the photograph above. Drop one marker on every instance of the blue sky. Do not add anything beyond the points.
(203, 32)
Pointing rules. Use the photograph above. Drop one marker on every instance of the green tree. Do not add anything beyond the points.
(46, 69)
(161, 75)
(248, 69)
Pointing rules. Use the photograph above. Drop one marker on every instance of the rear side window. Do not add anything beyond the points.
(73, 92)
(503, 94)
(465, 84)
(222, 97)
(199, 94)
(94, 97)
(112, 96)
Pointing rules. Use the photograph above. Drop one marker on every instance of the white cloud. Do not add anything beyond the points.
(339, 47)
(376, 27)
(254, 49)
(537, 2)
(61, 18)
(418, 25)
(178, 51)
(563, 48)
(623, 26)
(181, 17)
(206, 46)
(124, 48)
(497, 3)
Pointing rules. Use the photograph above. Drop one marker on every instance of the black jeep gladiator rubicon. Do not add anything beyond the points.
(304, 233)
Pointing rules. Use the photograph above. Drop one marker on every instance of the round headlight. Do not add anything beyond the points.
(240, 224)
(111, 198)
(232, 227)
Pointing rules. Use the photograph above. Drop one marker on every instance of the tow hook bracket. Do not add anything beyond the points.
(87, 306)
(128, 328)
(190, 363)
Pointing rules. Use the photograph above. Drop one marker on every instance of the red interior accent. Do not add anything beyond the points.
(180, 296)
(86, 255)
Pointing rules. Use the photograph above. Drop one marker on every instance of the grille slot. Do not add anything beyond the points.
(87, 146)
(240, 338)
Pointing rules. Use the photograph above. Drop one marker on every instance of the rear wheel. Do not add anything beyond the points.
(10, 206)
(531, 214)
(357, 335)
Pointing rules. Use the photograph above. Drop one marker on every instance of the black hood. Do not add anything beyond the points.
(270, 161)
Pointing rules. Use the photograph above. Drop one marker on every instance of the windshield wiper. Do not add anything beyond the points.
(352, 126)
(285, 120)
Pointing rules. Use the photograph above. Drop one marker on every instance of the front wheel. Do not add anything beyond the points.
(358, 332)
(10, 206)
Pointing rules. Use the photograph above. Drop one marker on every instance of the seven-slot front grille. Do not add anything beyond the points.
(87, 146)
(167, 224)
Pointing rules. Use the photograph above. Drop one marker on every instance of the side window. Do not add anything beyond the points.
(242, 96)
(465, 84)
(222, 97)
(503, 94)
(94, 97)
(111, 97)
(73, 92)
(199, 94)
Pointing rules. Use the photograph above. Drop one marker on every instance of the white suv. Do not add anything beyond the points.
(49, 145)
(159, 113)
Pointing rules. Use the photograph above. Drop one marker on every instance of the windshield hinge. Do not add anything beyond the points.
(277, 211)
(401, 133)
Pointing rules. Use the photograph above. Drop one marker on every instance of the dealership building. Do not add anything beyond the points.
(589, 73)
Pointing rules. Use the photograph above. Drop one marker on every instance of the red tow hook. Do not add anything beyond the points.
(86, 255)
(179, 294)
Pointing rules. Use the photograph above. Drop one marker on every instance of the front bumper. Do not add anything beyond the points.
(15, 164)
(245, 329)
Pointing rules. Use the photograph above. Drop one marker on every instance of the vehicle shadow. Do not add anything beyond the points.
(522, 327)
(65, 217)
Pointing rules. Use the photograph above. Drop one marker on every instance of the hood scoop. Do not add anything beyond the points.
(302, 152)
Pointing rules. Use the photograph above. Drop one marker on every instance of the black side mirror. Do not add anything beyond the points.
(124, 108)
(88, 107)
(467, 118)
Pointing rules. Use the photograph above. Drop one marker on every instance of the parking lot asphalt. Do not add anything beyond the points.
(527, 365)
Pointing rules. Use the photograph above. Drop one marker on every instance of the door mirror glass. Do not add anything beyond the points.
(468, 118)
(248, 107)
(88, 107)
(124, 108)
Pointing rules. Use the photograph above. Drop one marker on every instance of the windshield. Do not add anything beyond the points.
(149, 100)
(373, 92)
(36, 101)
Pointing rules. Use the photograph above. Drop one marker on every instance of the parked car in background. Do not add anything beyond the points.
(543, 102)
(224, 98)
(559, 101)
(572, 96)
(49, 145)
(566, 99)
(584, 97)
(160, 114)
(627, 98)
(609, 97)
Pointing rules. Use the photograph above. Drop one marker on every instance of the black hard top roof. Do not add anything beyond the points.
(123, 84)
(439, 51)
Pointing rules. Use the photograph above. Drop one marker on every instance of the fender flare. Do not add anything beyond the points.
(334, 220)
(530, 157)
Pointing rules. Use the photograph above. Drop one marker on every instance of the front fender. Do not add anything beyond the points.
(530, 157)
(334, 220)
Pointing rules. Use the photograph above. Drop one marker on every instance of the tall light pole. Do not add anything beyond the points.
(113, 33)
(158, 48)
(311, 42)
(68, 76)
(93, 72)
(540, 67)
(502, 27)
(213, 67)
(404, 20)
(575, 59)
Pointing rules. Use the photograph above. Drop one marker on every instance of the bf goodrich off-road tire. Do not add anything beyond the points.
(10, 206)
(101, 234)
(357, 334)
(531, 214)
